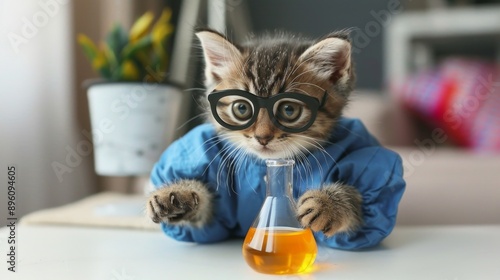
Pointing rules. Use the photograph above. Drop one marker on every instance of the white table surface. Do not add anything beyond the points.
(54, 252)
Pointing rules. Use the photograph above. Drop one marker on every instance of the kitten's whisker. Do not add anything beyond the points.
(300, 162)
(220, 168)
(295, 86)
(242, 157)
(217, 139)
(220, 153)
(298, 89)
(322, 151)
(305, 72)
(236, 162)
(226, 161)
(317, 145)
(230, 164)
(307, 84)
(191, 119)
(305, 164)
(296, 67)
(309, 167)
(311, 154)
(321, 141)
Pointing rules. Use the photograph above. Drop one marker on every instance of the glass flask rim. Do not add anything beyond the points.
(279, 162)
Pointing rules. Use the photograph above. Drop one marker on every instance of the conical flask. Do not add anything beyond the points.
(276, 243)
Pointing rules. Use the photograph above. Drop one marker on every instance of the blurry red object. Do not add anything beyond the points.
(460, 96)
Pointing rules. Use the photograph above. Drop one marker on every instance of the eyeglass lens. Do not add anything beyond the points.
(239, 111)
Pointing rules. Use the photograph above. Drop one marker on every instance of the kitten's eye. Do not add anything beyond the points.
(289, 111)
(242, 110)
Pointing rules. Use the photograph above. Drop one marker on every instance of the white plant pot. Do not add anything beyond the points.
(132, 123)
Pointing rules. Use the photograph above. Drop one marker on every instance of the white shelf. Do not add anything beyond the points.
(403, 48)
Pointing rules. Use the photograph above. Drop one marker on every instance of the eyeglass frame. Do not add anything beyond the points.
(267, 103)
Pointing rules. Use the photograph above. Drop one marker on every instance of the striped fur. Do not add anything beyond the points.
(267, 66)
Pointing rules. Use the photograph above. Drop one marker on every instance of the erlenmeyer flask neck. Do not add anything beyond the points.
(279, 177)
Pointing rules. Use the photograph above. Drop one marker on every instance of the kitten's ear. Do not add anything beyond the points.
(220, 54)
(330, 57)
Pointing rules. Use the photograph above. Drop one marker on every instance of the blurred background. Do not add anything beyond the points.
(428, 87)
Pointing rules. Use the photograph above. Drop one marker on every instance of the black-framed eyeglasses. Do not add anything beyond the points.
(291, 112)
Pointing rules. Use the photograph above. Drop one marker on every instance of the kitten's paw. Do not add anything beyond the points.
(315, 211)
(172, 206)
(336, 208)
(187, 201)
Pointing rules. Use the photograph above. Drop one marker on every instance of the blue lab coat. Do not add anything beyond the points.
(355, 158)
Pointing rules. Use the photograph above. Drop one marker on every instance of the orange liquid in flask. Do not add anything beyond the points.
(279, 250)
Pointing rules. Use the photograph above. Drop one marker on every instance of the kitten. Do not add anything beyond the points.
(305, 85)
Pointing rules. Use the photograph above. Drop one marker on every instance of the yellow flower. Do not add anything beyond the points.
(141, 26)
(161, 30)
(164, 19)
(129, 71)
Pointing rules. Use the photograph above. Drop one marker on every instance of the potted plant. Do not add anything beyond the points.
(134, 112)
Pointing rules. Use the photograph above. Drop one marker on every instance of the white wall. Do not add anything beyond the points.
(37, 110)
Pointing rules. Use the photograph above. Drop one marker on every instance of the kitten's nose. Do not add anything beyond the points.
(264, 139)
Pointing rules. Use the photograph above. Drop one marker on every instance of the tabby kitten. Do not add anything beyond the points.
(274, 97)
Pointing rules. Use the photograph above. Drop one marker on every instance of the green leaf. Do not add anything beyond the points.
(131, 49)
(110, 56)
(105, 73)
(89, 48)
(101, 63)
(116, 40)
(140, 55)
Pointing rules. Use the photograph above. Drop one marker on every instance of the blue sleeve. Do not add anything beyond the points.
(188, 158)
(377, 173)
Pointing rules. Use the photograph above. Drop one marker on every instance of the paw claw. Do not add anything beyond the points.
(174, 200)
(195, 198)
(155, 217)
(173, 206)
(303, 200)
(160, 205)
(307, 212)
(314, 212)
